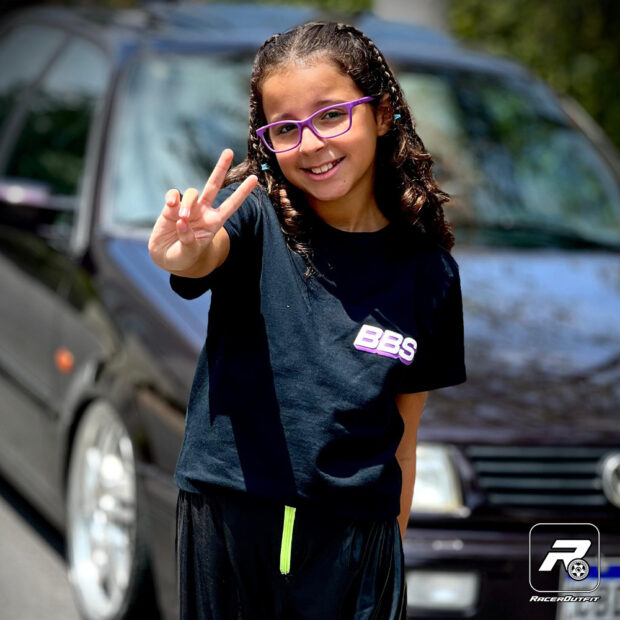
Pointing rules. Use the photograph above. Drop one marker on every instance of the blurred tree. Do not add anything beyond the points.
(572, 44)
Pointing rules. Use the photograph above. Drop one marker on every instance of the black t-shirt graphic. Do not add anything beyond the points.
(294, 393)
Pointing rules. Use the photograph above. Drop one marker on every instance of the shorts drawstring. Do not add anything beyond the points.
(287, 539)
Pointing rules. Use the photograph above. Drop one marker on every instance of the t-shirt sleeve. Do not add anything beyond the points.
(440, 356)
(243, 230)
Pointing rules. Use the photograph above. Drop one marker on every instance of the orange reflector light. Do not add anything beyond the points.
(64, 360)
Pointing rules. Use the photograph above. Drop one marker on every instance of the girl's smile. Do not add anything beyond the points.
(335, 174)
(324, 171)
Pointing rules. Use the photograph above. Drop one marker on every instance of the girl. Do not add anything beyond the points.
(335, 307)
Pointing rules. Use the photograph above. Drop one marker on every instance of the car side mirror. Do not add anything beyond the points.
(30, 206)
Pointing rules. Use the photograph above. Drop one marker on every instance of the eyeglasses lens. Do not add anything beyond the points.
(328, 123)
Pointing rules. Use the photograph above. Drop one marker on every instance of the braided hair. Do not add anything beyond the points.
(405, 188)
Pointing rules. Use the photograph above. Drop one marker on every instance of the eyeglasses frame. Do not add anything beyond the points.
(349, 105)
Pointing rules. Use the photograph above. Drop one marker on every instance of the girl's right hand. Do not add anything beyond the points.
(185, 229)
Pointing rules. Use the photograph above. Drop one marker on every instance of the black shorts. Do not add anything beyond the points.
(245, 557)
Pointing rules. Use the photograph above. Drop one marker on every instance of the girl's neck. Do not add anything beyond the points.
(351, 214)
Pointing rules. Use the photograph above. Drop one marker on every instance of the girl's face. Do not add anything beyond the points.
(294, 92)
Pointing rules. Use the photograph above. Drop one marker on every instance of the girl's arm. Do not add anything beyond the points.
(410, 407)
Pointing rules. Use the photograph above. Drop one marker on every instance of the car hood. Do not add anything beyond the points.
(542, 339)
(189, 317)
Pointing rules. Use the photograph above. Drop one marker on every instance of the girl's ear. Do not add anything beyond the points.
(384, 115)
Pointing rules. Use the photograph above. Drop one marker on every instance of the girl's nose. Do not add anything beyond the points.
(309, 141)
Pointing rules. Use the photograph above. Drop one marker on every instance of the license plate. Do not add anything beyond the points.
(606, 608)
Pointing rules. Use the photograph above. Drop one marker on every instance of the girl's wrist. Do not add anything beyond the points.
(209, 257)
(197, 270)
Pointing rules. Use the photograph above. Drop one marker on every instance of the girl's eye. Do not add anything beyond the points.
(285, 128)
(333, 114)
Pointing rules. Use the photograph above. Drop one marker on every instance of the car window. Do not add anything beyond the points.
(52, 143)
(173, 117)
(512, 163)
(24, 50)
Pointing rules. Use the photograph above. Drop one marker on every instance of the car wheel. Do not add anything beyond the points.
(107, 565)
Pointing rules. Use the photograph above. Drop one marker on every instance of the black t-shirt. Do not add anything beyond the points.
(294, 393)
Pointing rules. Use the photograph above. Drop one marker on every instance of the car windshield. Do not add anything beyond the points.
(513, 166)
(516, 171)
(174, 116)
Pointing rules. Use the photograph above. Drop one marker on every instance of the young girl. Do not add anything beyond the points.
(335, 307)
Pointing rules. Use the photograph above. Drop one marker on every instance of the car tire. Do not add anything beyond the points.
(106, 554)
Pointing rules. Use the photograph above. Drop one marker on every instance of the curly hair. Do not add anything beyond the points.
(405, 188)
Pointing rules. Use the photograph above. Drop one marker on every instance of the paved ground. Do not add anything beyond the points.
(33, 582)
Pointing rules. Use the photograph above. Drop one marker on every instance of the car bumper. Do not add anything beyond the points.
(478, 574)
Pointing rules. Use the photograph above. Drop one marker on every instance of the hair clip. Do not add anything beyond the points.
(264, 167)
(396, 117)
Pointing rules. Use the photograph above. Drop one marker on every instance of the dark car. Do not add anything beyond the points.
(101, 112)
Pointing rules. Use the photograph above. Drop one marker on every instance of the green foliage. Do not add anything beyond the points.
(572, 44)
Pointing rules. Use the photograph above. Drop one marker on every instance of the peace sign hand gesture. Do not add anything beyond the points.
(185, 237)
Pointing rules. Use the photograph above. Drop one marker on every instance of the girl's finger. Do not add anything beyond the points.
(173, 197)
(216, 179)
(185, 232)
(172, 203)
(235, 200)
(188, 202)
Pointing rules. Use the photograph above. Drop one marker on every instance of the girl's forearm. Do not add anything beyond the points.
(407, 466)
(410, 407)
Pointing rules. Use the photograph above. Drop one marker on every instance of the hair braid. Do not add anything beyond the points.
(421, 202)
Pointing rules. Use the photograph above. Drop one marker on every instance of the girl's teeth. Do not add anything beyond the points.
(322, 169)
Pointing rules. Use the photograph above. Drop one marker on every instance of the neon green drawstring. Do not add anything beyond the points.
(287, 539)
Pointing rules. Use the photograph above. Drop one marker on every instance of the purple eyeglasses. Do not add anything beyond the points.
(328, 122)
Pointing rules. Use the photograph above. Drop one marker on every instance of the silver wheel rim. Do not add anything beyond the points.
(101, 513)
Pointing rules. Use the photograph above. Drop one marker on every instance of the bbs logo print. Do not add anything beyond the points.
(373, 339)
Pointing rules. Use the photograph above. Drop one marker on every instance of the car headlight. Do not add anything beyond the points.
(437, 482)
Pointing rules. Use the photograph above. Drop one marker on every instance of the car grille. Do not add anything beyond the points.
(539, 476)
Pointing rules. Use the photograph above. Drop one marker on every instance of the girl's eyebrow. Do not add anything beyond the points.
(321, 103)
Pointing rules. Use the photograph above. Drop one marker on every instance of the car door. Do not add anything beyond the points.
(42, 176)
(25, 51)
